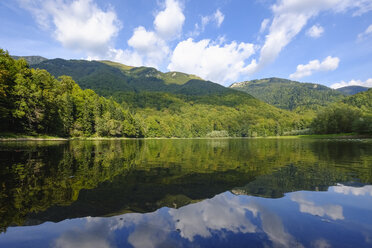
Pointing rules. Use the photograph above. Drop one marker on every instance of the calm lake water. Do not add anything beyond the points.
(186, 193)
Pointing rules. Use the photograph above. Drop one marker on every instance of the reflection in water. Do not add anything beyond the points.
(347, 190)
(224, 220)
(306, 206)
(155, 191)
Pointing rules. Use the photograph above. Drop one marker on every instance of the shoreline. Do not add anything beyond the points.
(310, 136)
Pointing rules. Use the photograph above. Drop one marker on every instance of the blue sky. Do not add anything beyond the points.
(225, 41)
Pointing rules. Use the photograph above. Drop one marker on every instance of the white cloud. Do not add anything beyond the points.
(227, 212)
(306, 206)
(219, 63)
(328, 64)
(168, 23)
(150, 48)
(315, 31)
(367, 83)
(78, 25)
(218, 213)
(264, 24)
(219, 17)
(148, 44)
(321, 243)
(127, 57)
(366, 33)
(224, 213)
(357, 191)
(291, 16)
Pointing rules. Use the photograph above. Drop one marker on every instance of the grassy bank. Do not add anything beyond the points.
(24, 137)
(21, 137)
(325, 136)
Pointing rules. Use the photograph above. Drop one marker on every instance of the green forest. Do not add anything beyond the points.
(78, 98)
(34, 102)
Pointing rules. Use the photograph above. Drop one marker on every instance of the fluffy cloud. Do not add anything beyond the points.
(264, 24)
(366, 33)
(150, 48)
(168, 23)
(218, 17)
(226, 212)
(78, 25)
(221, 212)
(357, 191)
(291, 16)
(306, 206)
(328, 64)
(367, 83)
(321, 243)
(149, 45)
(315, 31)
(220, 63)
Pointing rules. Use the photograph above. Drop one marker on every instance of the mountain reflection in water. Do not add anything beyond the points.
(186, 193)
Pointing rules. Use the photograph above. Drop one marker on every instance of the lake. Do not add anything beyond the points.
(186, 193)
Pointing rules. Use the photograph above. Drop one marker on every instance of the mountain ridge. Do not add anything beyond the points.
(288, 94)
(189, 108)
(31, 60)
(352, 90)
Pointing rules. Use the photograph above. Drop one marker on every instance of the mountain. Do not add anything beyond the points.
(107, 77)
(361, 100)
(31, 60)
(172, 77)
(291, 95)
(352, 90)
(176, 104)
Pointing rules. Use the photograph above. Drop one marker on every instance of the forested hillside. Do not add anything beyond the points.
(291, 95)
(107, 77)
(189, 107)
(144, 102)
(352, 114)
(34, 102)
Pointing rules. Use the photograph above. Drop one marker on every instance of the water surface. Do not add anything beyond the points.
(186, 193)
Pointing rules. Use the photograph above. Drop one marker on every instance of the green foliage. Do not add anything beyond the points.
(192, 108)
(337, 118)
(8, 71)
(34, 102)
(353, 114)
(216, 134)
(291, 95)
(362, 100)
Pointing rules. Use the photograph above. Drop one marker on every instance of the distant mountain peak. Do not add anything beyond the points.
(352, 90)
(32, 60)
(288, 94)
